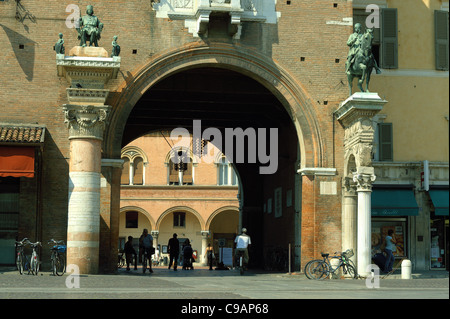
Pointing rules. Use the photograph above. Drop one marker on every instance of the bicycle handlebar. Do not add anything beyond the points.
(23, 242)
(52, 241)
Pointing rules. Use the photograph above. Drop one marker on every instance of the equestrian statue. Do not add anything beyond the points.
(360, 60)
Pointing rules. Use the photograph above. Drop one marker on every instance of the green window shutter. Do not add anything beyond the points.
(441, 39)
(386, 143)
(389, 39)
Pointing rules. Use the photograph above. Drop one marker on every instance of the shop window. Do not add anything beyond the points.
(131, 219)
(380, 228)
(439, 242)
(179, 219)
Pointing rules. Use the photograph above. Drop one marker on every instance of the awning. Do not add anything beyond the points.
(17, 161)
(394, 202)
(440, 198)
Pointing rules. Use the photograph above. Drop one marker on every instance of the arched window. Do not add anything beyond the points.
(180, 161)
(133, 169)
(225, 172)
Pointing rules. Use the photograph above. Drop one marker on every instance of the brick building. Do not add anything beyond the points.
(250, 64)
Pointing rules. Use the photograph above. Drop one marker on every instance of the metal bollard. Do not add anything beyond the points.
(406, 269)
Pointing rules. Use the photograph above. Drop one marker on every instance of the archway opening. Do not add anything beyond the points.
(254, 131)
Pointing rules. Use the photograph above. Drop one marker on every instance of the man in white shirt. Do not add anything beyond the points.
(242, 242)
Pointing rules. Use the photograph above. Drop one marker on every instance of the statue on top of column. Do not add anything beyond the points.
(90, 28)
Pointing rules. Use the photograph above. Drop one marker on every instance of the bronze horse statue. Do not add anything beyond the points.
(363, 62)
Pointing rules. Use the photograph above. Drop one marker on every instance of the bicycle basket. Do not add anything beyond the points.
(348, 253)
(60, 248)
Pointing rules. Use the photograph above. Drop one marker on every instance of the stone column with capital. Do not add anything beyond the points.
(364, 177)
(356, 116)
(86, 116)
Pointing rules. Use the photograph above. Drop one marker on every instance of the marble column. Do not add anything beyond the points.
(86, 124)
(364, 177)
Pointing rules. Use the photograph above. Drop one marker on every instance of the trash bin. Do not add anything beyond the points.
(166, 261)
(406, 269)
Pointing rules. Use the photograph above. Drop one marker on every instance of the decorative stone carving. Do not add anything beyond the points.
(196, 13)
(86, 121)
(355, 114)
(364, 177)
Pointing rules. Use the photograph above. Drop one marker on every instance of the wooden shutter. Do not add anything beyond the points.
(173, 173)
(441, 39)
(386, 141)
(125, 179)
(389, 39)
(138, 178)
(187, 176)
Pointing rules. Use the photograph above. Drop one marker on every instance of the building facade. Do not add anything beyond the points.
(265, 82)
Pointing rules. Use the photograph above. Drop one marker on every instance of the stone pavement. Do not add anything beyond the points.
(202, 283)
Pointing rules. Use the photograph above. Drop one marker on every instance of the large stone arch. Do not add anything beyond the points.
(140, 210)
(217, 212)
(182, 209)
(294, 98)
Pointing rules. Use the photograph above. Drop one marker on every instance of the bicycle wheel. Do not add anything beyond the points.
(60, 265)
(306, 269)
(144, 264)
(34, 265)
(317, 270)
(349, 271)
(19, 263)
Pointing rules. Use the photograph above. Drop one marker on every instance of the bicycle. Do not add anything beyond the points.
(58, 260)
(35, 263)
(22, 261)
(240, 260)
(319, 269)
(121, 260)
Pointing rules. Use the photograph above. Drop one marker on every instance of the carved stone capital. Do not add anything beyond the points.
(364, 178)
(349, 186)
(86, 121)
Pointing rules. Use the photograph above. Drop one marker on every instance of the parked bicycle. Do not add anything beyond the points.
(34, 262)
(319, 269)
(22, 262)
(58, 260)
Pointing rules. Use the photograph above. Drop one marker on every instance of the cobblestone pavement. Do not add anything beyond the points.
(205, 284)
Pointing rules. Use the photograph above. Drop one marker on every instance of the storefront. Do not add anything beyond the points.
(391, 208)
(20, 185)
(439, 227)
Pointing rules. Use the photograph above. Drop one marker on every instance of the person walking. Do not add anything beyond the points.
(129, 253)
(187, 255)
(390, 249)
(147, 244)
(209, 254)
(174, 250)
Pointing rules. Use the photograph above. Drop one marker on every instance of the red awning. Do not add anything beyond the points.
(16, 161)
